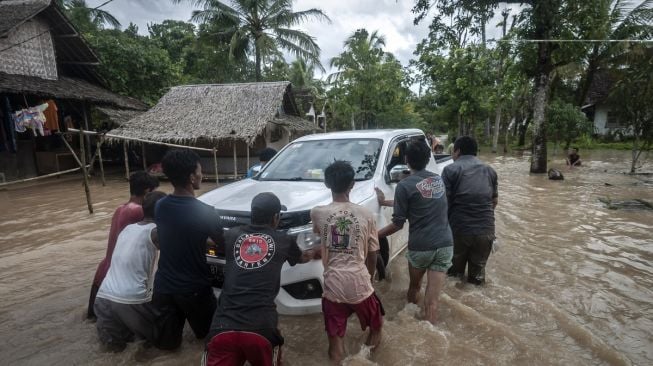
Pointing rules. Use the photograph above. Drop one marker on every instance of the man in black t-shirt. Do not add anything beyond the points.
(182, 289)
(244, 326)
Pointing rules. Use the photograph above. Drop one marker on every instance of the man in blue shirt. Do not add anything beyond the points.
(182, 289)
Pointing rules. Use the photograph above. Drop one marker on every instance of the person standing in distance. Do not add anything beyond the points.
(472, 192)
(182, 289)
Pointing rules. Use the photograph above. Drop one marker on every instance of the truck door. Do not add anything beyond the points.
(394, 162)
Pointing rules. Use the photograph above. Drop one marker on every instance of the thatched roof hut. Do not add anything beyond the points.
(42, 54)
(218, 112)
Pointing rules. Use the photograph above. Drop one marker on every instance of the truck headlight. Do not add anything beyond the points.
(305, 237)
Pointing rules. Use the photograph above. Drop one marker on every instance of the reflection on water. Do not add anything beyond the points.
(571, 284)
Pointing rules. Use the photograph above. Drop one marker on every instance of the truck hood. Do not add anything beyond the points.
(296, 196)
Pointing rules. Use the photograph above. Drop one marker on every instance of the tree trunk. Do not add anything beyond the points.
(523, 128)
(538, 160)
(258, 63)
(497, 125)
(586, 82)
(543, 15)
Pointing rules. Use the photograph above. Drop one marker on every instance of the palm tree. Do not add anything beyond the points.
(617, 19)
(362, 49)
(263, 27)
(82, 15)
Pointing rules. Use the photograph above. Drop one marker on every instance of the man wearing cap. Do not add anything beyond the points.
(244, 326)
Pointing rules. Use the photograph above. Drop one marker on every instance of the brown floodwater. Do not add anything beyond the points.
(572, 282)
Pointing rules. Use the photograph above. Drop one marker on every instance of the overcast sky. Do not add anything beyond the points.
(392, 18)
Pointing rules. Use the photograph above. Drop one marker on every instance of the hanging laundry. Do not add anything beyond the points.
(32, 118)
(51, 115)
(8, 123)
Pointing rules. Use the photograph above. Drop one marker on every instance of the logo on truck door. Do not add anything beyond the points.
(254, 250)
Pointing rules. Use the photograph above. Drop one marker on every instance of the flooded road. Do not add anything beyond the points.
(572, 282)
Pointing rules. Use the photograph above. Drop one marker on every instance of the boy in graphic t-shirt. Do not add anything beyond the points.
(349, 248)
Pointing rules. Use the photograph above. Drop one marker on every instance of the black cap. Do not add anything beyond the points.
(264, 206)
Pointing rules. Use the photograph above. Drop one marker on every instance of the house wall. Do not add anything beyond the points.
(606, 122)
(276, 136)
(33, 54)
(600, 119)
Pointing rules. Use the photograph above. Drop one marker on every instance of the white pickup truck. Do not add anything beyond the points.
(296, 176)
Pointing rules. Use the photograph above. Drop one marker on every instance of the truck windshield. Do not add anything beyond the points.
(307, 160)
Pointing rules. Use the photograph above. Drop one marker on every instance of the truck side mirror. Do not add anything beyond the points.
(399, 172)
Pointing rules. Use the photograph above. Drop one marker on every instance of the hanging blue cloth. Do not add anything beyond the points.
(9, 125)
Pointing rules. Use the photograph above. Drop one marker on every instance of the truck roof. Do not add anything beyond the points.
(378, 134)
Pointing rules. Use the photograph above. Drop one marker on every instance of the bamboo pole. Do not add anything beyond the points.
(215, 166)
(99, 154)
(82, 154)
(124, 150)
(88, 138)
(71, 150)
(141, 140)
(235, 162)
(56, 174)
(247, 148)
(143, 154)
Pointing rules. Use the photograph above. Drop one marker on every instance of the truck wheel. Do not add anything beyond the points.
(382, 258)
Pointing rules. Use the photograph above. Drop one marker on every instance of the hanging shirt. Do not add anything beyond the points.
(131, 274)
(348, 233)
(51, 116)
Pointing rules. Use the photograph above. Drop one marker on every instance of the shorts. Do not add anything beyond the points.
(369, 311)
(174, 309)
(438, 260)
(117, 324)
(234, 348)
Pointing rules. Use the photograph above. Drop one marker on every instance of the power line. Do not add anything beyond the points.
(571, 40)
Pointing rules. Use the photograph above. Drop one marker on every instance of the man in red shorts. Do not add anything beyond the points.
(349, 247)
(244, 326)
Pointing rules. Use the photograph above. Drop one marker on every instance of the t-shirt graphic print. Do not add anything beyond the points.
(254, 250)
(431, 187)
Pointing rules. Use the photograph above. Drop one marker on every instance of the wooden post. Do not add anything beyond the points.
(247, 148)
(99, 155)
(215, 167)
(87, 138)
(143, 154)
(82, 154)
(124, 150)
(235, 161)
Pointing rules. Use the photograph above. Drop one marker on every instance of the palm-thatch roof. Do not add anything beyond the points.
(216, 112)
(15, 12)
(65, 88)
(119, 116)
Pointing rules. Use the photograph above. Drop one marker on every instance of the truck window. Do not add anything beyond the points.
(306, 160)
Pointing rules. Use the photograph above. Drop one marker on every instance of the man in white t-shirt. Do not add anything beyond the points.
(349, 248)
(123, 302)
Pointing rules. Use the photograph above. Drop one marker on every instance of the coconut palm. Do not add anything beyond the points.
(263, 27)
(362, 49)
(82, 14)
(616, 20)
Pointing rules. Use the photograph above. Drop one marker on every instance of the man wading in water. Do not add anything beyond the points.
(140, 184)
(420, 199)
(245, 324)
(349, 248)
(472, 193)
(182, 289)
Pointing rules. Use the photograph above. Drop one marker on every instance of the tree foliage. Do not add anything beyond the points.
(262, 28)
(369, 88)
